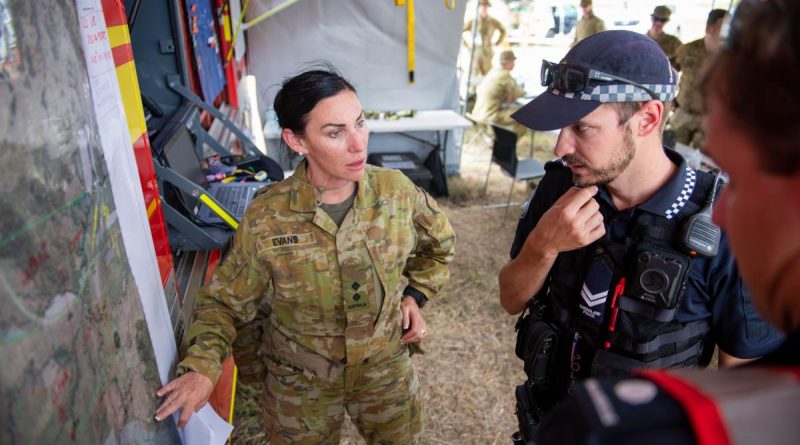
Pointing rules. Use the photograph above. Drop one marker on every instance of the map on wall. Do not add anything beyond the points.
(78, 365)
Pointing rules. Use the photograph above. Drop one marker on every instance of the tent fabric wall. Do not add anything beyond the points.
(366, 41)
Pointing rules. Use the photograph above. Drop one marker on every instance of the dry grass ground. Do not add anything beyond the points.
(469, 370)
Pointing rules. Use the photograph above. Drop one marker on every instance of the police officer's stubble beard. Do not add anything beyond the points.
(620, 160)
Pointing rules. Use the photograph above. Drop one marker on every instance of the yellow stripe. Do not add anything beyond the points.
(118, 35)
(226, 27)
(131, 101)
(410, 40)
(399, 2)
(152, 207)
(219, 211)
(233, 393)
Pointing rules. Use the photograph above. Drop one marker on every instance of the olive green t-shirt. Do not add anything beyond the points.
(338, 211)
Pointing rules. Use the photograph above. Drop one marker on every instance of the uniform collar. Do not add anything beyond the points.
(669, 199)
(303, 199)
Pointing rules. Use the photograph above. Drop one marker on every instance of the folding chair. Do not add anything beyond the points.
(504, 154)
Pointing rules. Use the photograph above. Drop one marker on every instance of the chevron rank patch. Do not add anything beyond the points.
(594, 292)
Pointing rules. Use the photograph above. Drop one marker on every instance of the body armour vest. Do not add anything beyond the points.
(612, 305)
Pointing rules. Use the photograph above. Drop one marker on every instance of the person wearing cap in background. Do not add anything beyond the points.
(588, 24)
(690, 59)
(496, 95)
(753, 106)
(667, 42)
(487, 27)
(603, 257)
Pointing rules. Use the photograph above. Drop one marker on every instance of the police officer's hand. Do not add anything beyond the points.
(413, 323)
(572, 222)
(188, 392)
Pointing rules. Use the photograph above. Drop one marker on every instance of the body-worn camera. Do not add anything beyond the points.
(658, 276)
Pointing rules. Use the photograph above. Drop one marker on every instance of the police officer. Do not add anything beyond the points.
(487, 27)
(690, 59)
(753, 104)
(598, 255)
(496, 95)
(588, 24)
(344, 255)
(667, 42)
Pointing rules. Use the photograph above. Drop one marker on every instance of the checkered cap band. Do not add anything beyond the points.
(622, 92)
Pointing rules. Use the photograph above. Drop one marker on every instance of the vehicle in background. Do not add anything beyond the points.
(564, 19)
(542, 20)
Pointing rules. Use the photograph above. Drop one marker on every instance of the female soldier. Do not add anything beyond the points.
(345, 255)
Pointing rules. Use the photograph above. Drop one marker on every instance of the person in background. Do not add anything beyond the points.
(690, 60)
(667, 42)
(496, 95)
(588, 24)
(601, 258)
(753, 106)
(485, 39)
(344, 255)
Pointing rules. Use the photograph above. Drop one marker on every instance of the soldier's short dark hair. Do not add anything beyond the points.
(755, 78)
(300, 94)
(714, 16)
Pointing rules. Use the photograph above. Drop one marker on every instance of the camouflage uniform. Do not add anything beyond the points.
(587, 26)
(493, 94)
(329, 343)
(686, 121)
(484, 51)
(668, 43)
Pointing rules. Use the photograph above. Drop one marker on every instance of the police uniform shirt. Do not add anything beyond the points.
(714, 290)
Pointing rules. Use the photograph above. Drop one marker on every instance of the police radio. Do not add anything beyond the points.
(700, 235)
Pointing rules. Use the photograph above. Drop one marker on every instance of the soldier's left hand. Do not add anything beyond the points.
(413, 323)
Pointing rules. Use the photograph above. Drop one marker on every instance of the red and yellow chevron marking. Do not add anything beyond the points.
(120, 40)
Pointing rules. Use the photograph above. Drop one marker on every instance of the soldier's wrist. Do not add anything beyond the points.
(416, 295)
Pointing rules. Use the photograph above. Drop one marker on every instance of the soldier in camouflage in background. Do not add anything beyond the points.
(487, 27)
(667, 42)
(496, 95)
(588, 24)
(689, 60)
(344, 255)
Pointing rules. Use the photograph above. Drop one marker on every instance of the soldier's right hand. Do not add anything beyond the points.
(188, 392)
(574, 221)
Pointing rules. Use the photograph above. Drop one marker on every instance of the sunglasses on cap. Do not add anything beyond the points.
(570, 78)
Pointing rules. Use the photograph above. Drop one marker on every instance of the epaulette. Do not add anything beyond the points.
(265, 188)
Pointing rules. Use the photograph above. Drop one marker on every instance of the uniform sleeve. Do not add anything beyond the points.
(547, 192)
(467, 26)
(502, 30)
(231, 297)
(507, 88)
(600, 26)
(738, 329)
(677, 58)
(517, 91)
(427, 268)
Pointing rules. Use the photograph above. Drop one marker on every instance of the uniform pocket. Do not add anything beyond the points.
(302, 279)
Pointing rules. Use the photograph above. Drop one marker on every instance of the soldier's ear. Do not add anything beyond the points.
(294, 141)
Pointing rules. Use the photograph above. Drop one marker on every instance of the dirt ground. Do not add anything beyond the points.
(469, 370)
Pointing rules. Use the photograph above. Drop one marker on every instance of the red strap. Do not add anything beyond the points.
(704, 415)
(612, 324)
